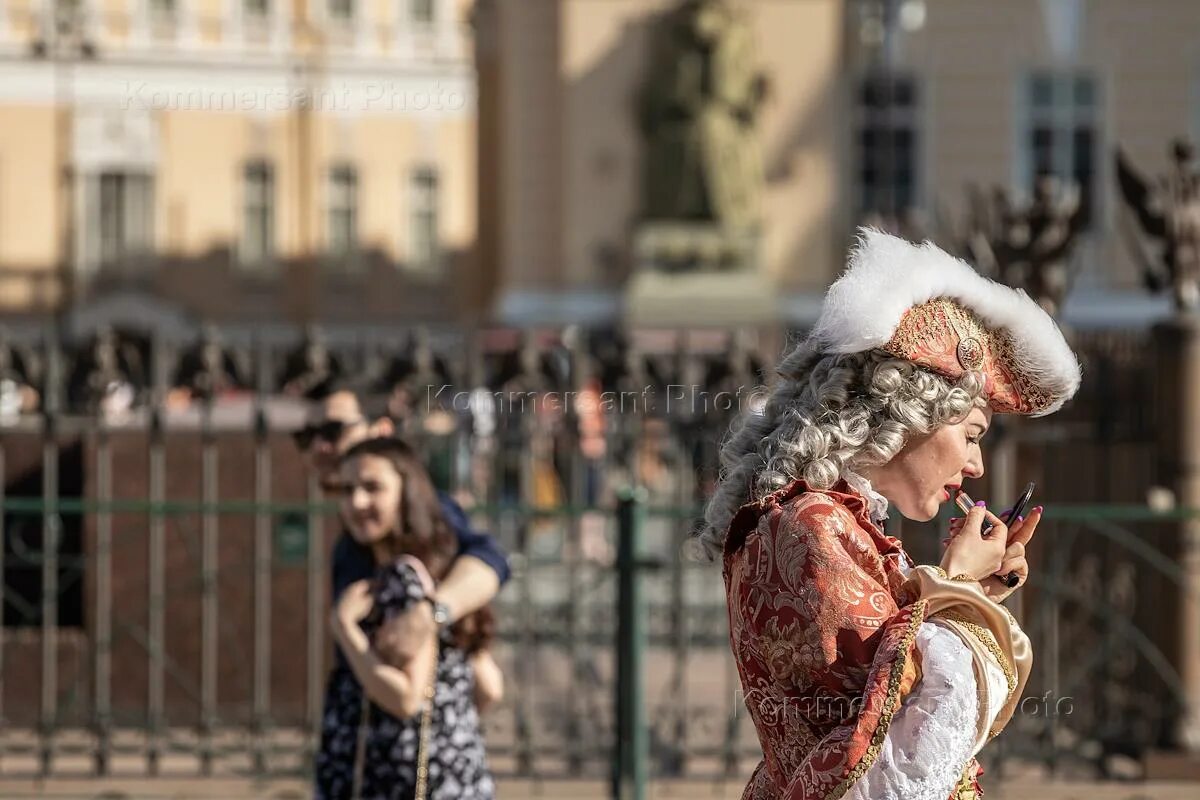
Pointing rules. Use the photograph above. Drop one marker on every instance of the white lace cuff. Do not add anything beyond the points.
(932, 735)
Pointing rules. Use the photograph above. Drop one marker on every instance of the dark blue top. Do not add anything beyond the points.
(353, 562)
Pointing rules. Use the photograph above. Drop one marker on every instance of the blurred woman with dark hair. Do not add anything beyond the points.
(400, 722)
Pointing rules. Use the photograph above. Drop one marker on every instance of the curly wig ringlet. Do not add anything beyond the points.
(829, 413)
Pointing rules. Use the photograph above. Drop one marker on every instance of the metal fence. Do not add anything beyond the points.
(166, 575)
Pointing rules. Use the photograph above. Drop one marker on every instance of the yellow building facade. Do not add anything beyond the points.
(482, 159)
(234, 143)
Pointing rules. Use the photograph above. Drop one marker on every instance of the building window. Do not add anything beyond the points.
(163, 10)
(887, 146)
(343, 210)
(341, 10)
(258, 213)
(163, 18)
(126, 216)
(257, 9)
(424, 242)
(421, 11)
(1063, 113)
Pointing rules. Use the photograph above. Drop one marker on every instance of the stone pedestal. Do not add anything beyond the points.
(1178, 370)
(696, 274)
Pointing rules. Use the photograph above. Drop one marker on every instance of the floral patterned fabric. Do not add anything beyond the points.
(823, 630)
(458, 767)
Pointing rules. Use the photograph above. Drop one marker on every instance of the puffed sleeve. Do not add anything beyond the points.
(933, 735)
(397, 588)
(823, 649)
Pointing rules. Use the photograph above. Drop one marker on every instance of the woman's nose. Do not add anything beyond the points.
(359, 499)
(974, 467)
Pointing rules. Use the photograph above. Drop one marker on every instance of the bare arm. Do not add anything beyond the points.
(400, 691)
(469, 586)
(489, 680)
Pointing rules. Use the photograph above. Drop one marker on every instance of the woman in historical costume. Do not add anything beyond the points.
(868, 676)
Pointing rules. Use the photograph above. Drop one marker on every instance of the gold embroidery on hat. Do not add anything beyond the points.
(921, 337)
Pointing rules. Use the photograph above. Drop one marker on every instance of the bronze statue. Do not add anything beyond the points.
(1026, 247)
(698, 112)
(1169, 213)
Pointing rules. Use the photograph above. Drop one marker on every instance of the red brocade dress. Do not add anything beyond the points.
(866, 677)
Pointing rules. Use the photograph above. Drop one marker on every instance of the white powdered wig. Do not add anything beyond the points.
(888, 275)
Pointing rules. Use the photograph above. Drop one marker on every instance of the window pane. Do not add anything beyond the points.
(126, 216)
(1041, 92)
(868, 96)
(258, 213)
(139, 214)
(424, 242)
(422, 11)
(112, 214)
(1085, 91)
(1083, 171)
(1042, 151)
(341, 9)
(1062, 138)
(343, 209)
(887, 144)
(1083, 151)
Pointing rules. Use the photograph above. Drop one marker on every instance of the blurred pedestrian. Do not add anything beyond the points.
(336, 424)
(407, 708)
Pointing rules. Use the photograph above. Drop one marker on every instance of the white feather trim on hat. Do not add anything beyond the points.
(887, 276)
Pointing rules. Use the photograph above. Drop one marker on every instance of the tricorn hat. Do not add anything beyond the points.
(919, 303)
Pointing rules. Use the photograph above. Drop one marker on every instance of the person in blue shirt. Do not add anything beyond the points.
(338, 422)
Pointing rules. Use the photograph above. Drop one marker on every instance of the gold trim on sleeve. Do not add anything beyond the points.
(986, 638)
(891, 704)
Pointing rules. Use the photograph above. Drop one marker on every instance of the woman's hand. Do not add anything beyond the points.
(427, 582)
(355, 603)
(1014, 561)
(971, 553)
(1014, 557)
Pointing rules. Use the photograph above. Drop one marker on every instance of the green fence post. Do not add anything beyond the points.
(630, 772)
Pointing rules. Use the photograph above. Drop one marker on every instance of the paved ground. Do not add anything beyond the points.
(219, 789)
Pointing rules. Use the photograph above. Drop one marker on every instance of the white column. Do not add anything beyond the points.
(139, 22)
(44, 10)
(448, 29)
(187, 29)
(402, 36)
(233, 13)
(281, 24)
(364, 26)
